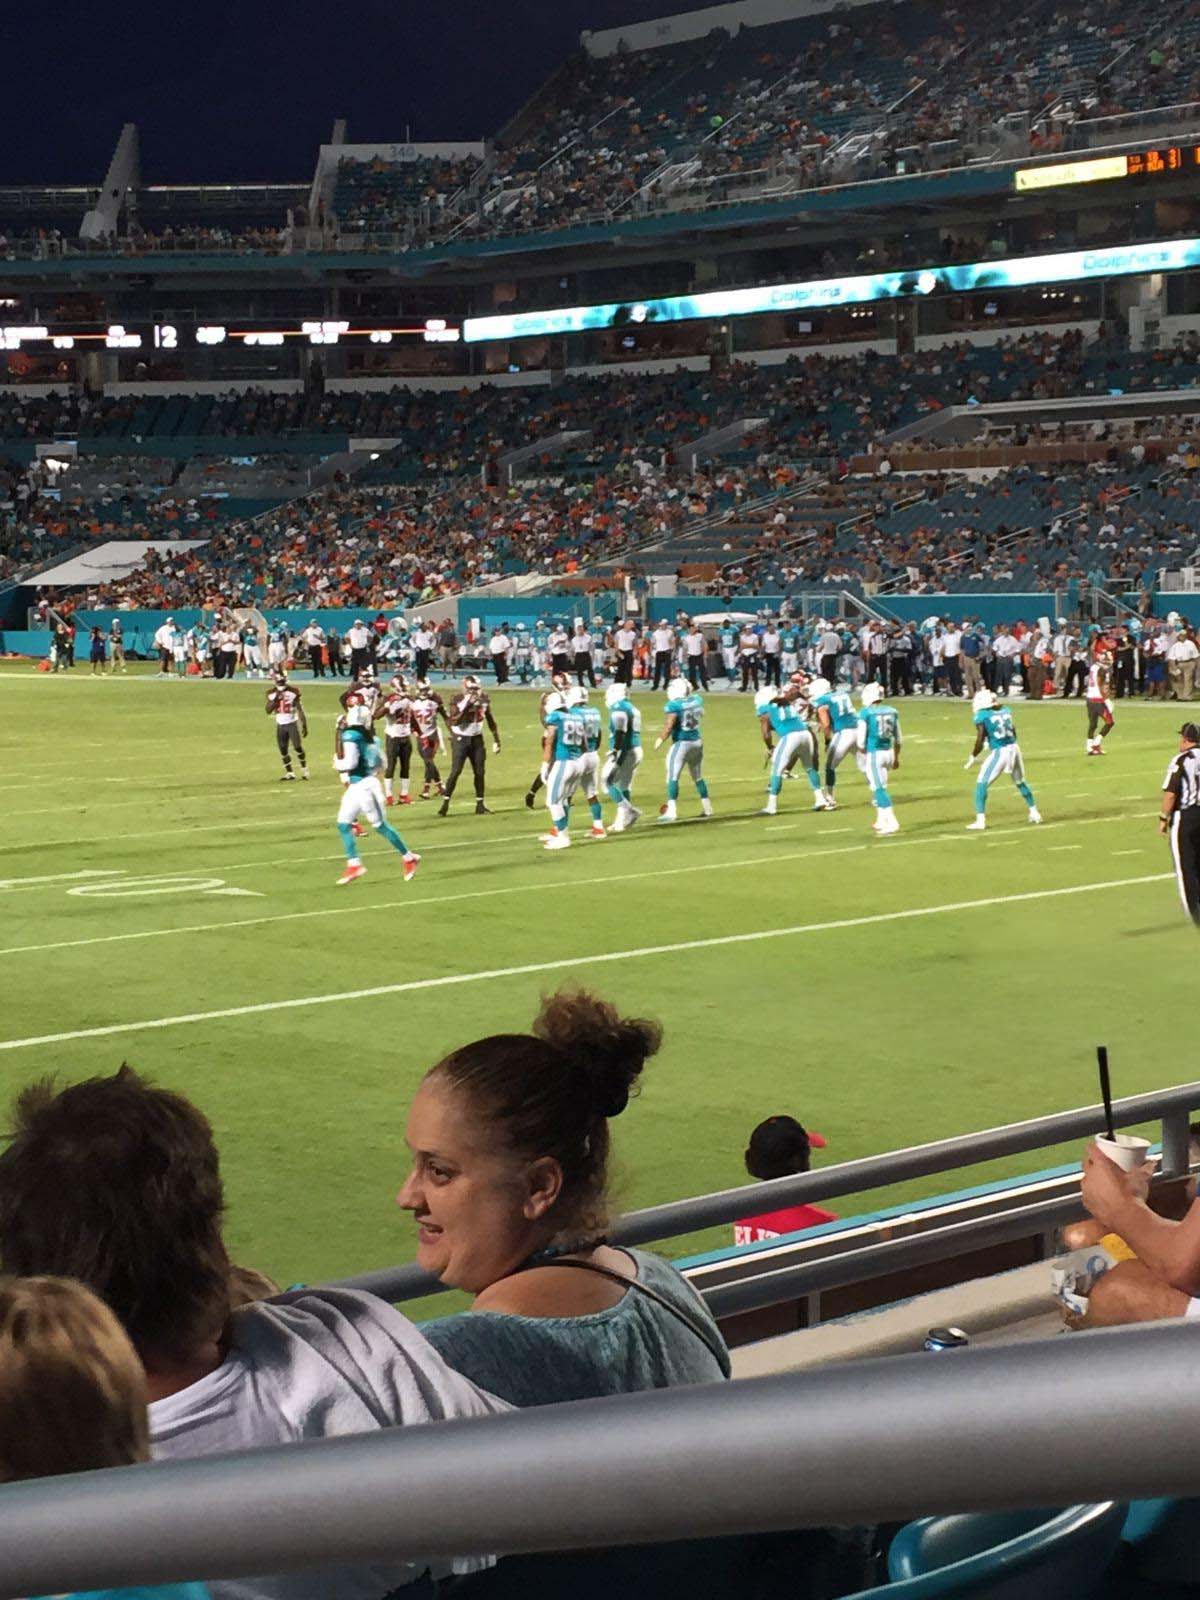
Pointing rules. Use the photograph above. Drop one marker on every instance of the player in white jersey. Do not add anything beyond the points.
(1099, 703)
(396, 710)
(291, 725)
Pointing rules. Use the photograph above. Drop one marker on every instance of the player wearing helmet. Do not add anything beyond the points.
(994, 727)
(395, 709)
(878, 737)
(564, 744)
(624, 754)
(358, 761)
(781, 716)
(283, 703)
(684, 715)
(1099, 702)
(427, 707)
(469, 710)
(558, 687)
(589, 762)
(838, 722)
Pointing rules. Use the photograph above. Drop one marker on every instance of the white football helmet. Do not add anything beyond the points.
(554, 702)
(678, 689)
(614, 694)
(763, 698)
(576, 695)
(984, 700)
(872, 694)
(817, 687)
(358, 717)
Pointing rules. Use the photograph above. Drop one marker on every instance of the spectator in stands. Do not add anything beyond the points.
(1164, 1279)
(779, 1148)
(74, 1393)
(117, 1183)
(510, 1147)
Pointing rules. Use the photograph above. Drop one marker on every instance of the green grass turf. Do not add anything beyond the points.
(880, 1035)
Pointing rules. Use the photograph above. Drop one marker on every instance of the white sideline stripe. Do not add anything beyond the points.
(525, 888)
(487, 973)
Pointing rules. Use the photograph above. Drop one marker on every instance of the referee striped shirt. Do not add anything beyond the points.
(1183, 779)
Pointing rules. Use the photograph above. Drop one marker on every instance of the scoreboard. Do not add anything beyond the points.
(1161, 161)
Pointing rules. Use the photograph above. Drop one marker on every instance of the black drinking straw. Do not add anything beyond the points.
(1105, 1088)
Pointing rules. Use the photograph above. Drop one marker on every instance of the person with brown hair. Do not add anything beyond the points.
(117, 1183)
(74, 1394)
(510, 1149)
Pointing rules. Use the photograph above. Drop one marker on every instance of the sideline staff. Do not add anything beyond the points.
(1180, 817)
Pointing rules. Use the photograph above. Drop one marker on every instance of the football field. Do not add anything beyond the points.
(167, 901)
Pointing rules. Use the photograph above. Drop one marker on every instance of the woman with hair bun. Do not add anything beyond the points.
(509, 1189)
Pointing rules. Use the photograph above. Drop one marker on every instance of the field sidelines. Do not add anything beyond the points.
(487, 974)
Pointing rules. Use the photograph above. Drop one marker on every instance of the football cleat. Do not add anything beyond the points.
(597, 831)
(357, 829)
(631, 815)
(481, 810)
(557, 841)
(978, 826)
(411, 862)
(391, 800)
(1034, 814)
(354, 870)
(406, 799)
(444, 809)
(288, 777)
(529, 799)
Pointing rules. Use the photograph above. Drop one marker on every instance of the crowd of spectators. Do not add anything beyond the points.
(922, 87)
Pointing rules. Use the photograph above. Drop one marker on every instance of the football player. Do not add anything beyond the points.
(469, 710)
(291, 725)
(994, 727)
(358, 761)
(684, 715)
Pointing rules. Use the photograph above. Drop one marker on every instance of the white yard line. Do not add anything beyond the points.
(487, 974)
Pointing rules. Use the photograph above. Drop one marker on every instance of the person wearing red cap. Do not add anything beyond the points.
(778, 1148)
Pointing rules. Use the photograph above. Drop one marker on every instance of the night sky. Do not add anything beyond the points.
(242, 90)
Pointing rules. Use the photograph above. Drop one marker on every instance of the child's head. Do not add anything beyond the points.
(74, 1392)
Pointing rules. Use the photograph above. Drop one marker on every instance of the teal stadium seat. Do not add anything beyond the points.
(1012, 1555)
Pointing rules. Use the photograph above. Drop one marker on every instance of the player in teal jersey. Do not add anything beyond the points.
(994, 727)
(838, 721)
(624, 754)
(564, 746)
(589, 773)
(781, 714)
(684, 714)
(358, 760)
(879, 741)
(727, 638)
(541, 649)
(789, 649)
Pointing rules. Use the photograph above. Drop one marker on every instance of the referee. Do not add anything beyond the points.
(1180, 817)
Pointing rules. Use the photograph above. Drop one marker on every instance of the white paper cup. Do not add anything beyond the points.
(1127, 1151)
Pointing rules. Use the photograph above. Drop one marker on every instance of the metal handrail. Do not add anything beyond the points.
(980, 1430)
(679, 1217)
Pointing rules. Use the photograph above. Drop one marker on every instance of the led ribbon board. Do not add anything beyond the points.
(1071, 266)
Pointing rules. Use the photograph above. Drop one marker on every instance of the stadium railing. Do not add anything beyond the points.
(1103, 1416)
(1171, 1107)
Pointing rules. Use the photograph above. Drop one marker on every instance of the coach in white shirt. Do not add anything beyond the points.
(314, 640)
(770, 646)
(662, 643)
(952, 658)
(1181, 666)
(625, 639)
(359, 640)
(1006, 649)
(581, 652)
(695, 649)
(559, 645)
(164, 643)
(499, 647)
